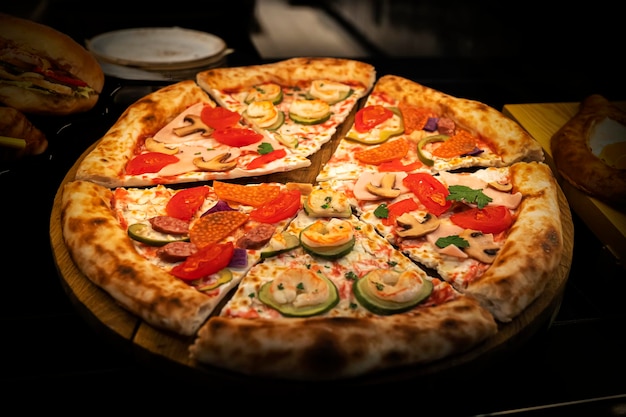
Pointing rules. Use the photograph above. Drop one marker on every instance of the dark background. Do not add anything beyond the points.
(494, 52)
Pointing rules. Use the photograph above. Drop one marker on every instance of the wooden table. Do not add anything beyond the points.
(542, 121)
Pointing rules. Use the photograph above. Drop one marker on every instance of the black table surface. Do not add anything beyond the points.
(576, 366)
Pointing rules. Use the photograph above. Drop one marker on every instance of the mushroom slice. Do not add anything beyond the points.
(155, 146)
(386, 188)
(197, 125)
(219, 163)
(500, 186)
(411, 226)
(481, 247)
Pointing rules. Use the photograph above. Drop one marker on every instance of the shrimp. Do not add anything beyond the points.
(310, 109)
(299, 287)
(268, 91)
(392, 285)
(263, 113)
(328, 233)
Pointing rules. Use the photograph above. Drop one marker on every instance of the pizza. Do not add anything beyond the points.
(589, 150)
(407, 250)
(271, 119)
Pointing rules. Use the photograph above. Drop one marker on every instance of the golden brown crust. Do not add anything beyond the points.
(574, 159)
(509, 140)
(49, 43)
(289, 72)
(92, 231)
(323, 348)
(532, 250)
(15, 124)
(106, 163)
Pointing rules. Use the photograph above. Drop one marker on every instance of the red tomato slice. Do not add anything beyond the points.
(285, 205)
(371, 116)
(219, 117)
(429, 191)
(149, 162)
(398, 208)
(237, 137)
(206, 261)
(185, 203)
(259, 161)
(489, 219)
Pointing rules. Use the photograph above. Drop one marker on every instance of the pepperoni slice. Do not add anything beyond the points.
(251, 195)
(388, 151)
(459, 144)
(414, 117)
(215, 226)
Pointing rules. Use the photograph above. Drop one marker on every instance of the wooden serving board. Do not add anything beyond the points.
(169, 352)
(542, 121)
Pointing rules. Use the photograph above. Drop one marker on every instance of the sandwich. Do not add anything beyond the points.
(44, 71)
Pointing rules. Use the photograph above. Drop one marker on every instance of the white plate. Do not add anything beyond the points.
(162, 47)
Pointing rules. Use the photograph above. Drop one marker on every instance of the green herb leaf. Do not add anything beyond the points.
(382, 212)
(455, 240)
(468, 195)
(264, 148)
(351, 275)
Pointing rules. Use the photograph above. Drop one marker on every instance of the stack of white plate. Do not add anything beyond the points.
(160, 54)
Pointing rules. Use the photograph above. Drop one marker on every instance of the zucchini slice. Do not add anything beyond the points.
(387, 291)
(302, 293)
(144, 233)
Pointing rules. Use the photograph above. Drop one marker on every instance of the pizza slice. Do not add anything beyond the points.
(299, 102)
(171, 255)
(178, 135)
(493, 233)
(405, 126)
(342, 303)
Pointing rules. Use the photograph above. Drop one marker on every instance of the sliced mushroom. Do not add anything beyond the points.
(481, 247)
(386, 188)
(219, 163)
(197, 125)
(500, 186)
(155, 146)
(411, 226)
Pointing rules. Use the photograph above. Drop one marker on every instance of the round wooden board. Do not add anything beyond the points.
(169, 351)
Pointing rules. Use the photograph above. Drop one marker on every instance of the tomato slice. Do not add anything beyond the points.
(62, 78)
(397, 209)
(489, 219)
(206, 261)
(429, 191)
(259, 161)
(219, 117)
(369, 117)
(186, 202)
(149, 162)
(285, 205)
(237, 137)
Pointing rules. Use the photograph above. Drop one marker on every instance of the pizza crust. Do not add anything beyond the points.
(509, 140)
(533, 247)
(92, 231)
(288, 72)
(324, 348)
(574, 159)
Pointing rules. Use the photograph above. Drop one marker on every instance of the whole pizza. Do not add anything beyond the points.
(433, 222)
